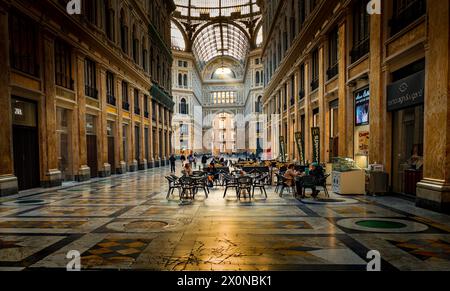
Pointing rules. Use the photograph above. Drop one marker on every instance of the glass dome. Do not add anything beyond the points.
(223, 74)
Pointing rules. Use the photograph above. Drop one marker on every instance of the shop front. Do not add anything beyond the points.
(25, 143)
(406, 103)
(361, 127)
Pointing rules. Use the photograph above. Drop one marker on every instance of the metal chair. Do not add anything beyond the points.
(282, 183)
(260, 184)
(201, 183)
(244, 184)
(229, 182)
(173, 184)
(308, 182)
(187, 188)
(323, 183)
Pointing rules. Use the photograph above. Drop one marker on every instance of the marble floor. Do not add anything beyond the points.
(126, 223)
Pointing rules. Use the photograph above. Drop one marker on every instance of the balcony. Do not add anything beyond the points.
(111, 100)
(301, 94)
(333, 71)
(403, 16)
(360, 49)
(91, 92)
(162, 97)
(315, 84)
(126, 106)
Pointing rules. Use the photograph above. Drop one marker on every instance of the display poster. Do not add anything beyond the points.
(300, 140)
(315, 132)
(363, 143)
(282, 149)
(362, 99)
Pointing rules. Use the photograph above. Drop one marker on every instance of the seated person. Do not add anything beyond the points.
(316, 171)
(290, 176)
(212, 174)
(187, 170)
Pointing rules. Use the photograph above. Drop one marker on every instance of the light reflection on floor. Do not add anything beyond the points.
(125, 222)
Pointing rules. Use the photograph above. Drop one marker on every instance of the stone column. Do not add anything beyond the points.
(83, 170)
(52, 173)
(150, 132)
(133, 163)
(8, 182)
(321, 96)
(122, 165)
(156, 151)
(105, 167)
(307, 133)
(142, 159)
(376, 144)
(433, 192)
(286, 89)
(344, 131)
(296, 111)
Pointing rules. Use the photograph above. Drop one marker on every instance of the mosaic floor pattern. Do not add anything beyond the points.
(126, 222)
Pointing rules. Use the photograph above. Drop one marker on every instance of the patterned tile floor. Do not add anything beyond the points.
(126, 222)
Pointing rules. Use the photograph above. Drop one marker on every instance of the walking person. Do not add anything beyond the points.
(172, 161)
(183, 159)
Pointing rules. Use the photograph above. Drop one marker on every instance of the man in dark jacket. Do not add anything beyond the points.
(172, 161)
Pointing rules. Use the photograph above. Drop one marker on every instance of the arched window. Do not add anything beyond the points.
(135, 46)
(158, 69)
(152, 69)
(123, 32)
(144, 55)
(163, 80)
(91, 11)
(180, 80)
(257, 78)
(258, 106)
(184, 109)
(185, 80)
(108, 15)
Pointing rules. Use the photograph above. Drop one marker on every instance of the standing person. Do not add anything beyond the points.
(194, 160)
(204, 161)
(172, 161)
(183, 159)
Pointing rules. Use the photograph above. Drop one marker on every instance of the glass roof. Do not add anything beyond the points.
(215, 28)
(259, 38)
(178, 42)
(214, 8)
(220, 39)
